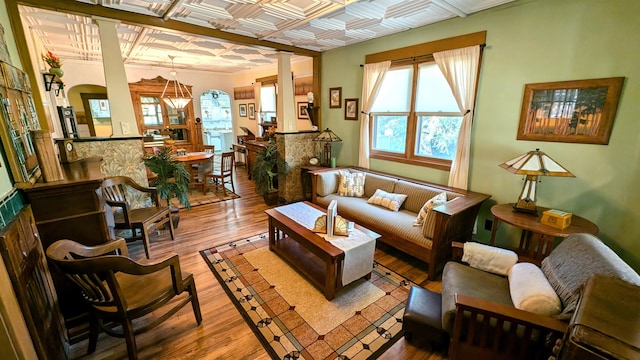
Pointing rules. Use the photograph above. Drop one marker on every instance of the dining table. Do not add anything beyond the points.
(193, 158)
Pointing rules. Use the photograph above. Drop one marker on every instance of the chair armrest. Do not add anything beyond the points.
(145, 266)
(484, 329)
(457, 250)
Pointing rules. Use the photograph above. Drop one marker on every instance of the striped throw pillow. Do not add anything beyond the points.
(430, 204)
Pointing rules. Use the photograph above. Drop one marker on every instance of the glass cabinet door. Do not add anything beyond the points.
(151, 111)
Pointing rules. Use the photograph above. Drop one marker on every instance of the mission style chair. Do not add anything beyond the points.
(224, 173)
(116, 192)
(120, 290)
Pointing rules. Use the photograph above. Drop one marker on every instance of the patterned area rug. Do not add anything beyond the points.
(292, 318)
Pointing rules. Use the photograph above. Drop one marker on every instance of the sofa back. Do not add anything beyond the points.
(574, 260)
(417, 194)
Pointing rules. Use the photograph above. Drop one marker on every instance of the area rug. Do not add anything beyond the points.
(196, 197)
(292, 318)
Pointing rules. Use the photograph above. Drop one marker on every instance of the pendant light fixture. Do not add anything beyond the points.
(180, 97)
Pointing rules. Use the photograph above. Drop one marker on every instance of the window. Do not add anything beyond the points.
(415, 117)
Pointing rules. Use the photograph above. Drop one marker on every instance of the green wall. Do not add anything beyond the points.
(530, 42)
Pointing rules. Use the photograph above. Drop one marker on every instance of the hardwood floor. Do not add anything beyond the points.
(223, 333)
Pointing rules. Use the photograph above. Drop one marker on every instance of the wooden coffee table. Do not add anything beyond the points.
(313, 256)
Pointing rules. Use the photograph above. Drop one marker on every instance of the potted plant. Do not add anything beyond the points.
(268, 165)
(173, 178)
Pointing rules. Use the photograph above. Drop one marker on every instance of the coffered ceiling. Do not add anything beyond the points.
(229, 35)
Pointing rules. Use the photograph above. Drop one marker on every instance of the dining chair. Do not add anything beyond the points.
(120, 290)
(195, 168)
(117, 190)
(224, 173)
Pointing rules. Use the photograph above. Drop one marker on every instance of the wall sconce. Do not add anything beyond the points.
(50, 83)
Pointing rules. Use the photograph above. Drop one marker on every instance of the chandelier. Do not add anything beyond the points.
(180, 97)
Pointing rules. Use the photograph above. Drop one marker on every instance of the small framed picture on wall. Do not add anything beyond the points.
(335, 97)
(252, 111)
(302, 110)
(351, 109)
(243, 110)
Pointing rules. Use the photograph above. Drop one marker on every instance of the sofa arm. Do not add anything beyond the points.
(453, 222)
(484, 329)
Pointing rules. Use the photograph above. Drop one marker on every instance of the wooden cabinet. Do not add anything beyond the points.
(153, 115)
(26, 264)
(253, 147)
(72, 208)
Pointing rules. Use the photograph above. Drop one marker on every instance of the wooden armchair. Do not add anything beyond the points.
(141, 221)
(491, 330)
(120, 290)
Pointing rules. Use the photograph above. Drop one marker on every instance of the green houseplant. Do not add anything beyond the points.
(173, 178)
(268, 165)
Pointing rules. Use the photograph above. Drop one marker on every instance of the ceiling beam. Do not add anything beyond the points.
(84, 9)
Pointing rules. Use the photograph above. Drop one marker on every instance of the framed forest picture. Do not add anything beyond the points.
(579, 111)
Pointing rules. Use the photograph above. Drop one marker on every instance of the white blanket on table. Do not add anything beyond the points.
(358, 247)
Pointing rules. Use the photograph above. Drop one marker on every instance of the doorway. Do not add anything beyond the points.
(217, 124)
(98, 114)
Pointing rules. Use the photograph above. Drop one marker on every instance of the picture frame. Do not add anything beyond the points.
(252, 111)
(578, 111)
(351, 109)
(335, 97)
(243, 110)
(302, 110)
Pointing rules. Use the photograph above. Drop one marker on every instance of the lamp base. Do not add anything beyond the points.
(525, 211)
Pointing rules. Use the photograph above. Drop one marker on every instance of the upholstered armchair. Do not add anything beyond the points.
(521, 313)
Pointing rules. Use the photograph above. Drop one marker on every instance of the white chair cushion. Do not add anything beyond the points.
(489, 258)
(531, 291)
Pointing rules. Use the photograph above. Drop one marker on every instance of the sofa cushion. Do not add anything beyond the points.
(430, 204)
(351, 184)
(417, 194)
(574, 260)
(390, 201)
(398, 223)
(530, 290)
(327, 183)
(374, 182)
(462, 279)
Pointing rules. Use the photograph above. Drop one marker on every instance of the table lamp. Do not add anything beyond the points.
(327, 137)
(533, 164)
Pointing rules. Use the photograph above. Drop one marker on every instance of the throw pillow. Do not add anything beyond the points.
(351, 184)
(531, 291)
(430, 204)
(389, 200)
(489, 258)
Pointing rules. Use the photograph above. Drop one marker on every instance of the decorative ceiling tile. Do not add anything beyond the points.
(317, 25)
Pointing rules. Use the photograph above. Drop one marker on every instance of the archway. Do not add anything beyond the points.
(217, 124)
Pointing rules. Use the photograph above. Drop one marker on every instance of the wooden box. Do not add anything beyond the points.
(556, 218)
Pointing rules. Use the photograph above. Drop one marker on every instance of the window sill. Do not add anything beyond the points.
(425, 162)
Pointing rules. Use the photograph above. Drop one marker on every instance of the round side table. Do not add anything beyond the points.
(536, 240)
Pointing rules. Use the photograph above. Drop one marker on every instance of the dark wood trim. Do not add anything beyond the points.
(428, 48)
(80, 8)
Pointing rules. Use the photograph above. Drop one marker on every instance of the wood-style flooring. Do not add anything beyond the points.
(223, 333)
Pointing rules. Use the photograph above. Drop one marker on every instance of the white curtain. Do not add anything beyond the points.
(257, 86)
(371, 80)
(460, 68)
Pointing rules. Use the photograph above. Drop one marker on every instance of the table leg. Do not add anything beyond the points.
(330, 281)
(494, 229)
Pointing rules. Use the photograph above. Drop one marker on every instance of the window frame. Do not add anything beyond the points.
(409, 156)
(407, 55)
